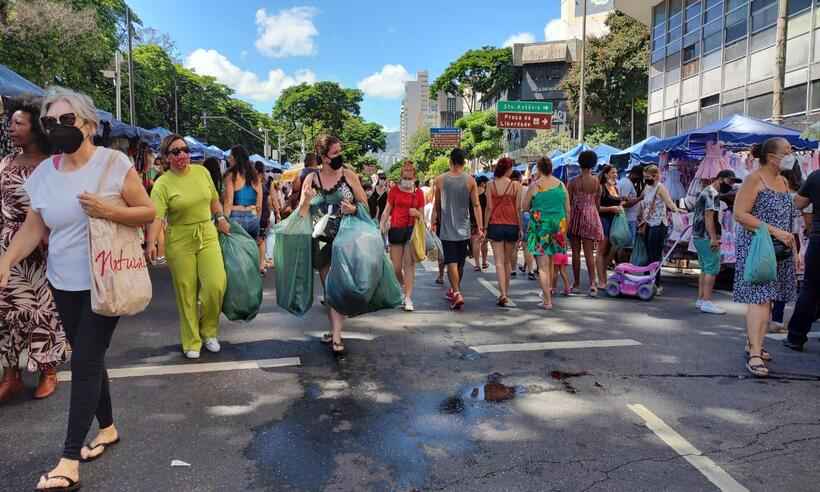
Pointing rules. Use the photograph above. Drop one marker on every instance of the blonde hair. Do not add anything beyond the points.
(653, 169)
(82, 105)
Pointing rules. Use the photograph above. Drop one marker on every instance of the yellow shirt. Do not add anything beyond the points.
(184, 199)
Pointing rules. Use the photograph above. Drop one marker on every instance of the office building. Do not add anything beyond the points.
(420, 111)
(711, 59)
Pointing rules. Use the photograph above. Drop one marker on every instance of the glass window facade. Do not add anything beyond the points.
(719, 55)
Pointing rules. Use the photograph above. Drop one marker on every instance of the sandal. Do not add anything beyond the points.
(103, 445)
(70, 486)
(477, 268)
(338, 349)
(440, 281)
(546, 307)
(502, 301)
(757, 370)
(531, 276)
(593, 291)
(764, 354)
(485, 265)
(326, 338)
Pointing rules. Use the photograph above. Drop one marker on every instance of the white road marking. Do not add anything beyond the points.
(430, 266)
(487, 285)
(782, 336)
(703, 464)
(192, 368)
(523, 347)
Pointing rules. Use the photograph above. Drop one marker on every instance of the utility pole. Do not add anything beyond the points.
(632, 122)
(583, 91)
(266, 150)
(118, 83)
(176, 106)
(130, 65)
(780, 63)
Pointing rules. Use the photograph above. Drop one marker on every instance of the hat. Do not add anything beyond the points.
(728, 174)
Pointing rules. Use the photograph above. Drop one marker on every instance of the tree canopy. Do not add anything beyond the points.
(484, 72)
(480, 138)
(616, 76)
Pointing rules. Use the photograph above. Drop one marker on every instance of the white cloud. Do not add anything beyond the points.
(246, 84)
(521, 37)
(388, 83)
(288, 33)
(558, 30)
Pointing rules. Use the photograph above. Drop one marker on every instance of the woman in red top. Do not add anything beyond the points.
(503, 224)
(405, 203)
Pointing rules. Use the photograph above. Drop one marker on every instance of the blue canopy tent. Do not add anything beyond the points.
(214, 151)
(604, 152)
(643, 151)
(554, 154)
(736, 132)
(14, 85)
(269, 164)
(124, 130)
(196, 147)
(565, 166)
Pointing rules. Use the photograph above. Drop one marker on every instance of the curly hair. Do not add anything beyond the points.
(31, 106)
(323, 144)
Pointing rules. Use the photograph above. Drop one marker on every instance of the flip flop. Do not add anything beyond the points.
(71, 487)
(104, 446)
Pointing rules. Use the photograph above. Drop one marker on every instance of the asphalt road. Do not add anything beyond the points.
(666, 406)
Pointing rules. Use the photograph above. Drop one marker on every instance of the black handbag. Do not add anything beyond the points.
(781, 251)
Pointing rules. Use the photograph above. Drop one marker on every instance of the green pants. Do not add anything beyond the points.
(195, 260)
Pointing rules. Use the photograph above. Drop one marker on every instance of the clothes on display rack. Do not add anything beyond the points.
(673, 182)
(714, 162)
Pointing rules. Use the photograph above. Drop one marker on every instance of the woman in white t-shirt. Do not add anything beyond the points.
(60, 207)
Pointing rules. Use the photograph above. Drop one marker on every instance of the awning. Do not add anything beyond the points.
(124, 130)
(643, 151)
(13, 84)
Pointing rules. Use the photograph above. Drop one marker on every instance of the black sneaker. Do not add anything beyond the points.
(797, 347)
(531, 276)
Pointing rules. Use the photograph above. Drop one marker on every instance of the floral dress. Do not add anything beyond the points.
(774, 208)
(547, 233)
(28, 317)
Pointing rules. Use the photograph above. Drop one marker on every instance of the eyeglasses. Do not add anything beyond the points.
(50, 123)
(179, 150)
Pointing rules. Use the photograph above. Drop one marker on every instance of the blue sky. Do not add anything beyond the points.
(260, 47)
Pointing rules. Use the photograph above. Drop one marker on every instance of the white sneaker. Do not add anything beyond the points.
(658, 291)
(212, 344)
(709, 307)
(192, 354)
(699, 303)
(408, 305)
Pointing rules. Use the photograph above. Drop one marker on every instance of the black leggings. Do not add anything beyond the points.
(655, 241)
(89, 335)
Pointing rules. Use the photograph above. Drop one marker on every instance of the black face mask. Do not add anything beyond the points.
(336, 163)
(65, 139)
(725, 188)
(649, 182)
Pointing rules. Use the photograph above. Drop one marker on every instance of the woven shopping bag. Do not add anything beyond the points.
(120, 284)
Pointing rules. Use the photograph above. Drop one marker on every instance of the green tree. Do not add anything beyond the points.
(63, 42)
(361, 138)
(306, 110)
(485, 72)
(602, 134)
(547, 141)
(616, 77)
(154, 74)
(439, 166)
(480, 138)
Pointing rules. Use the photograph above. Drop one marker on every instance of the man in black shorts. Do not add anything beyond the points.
(456, 192)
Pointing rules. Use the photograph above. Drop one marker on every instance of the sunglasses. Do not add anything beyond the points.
(50, 122)
(180, 150)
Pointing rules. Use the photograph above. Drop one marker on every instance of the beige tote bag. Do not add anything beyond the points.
(120, 284)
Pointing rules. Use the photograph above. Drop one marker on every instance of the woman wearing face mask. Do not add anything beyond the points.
(341, 190)
(654, 218)
(29, 319)
(186, 198)
(60, 207)
(609, 206)
(764, 199)
(405, 203)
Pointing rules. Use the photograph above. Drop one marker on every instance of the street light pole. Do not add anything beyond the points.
(780, 63)
(583, 95)
(176, 105)
(130, 65)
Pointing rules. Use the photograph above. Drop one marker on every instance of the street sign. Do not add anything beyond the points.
(537, 107)
(524, 121)
(445, 138)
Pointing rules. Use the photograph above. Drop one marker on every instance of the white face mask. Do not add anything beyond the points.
(787, 163)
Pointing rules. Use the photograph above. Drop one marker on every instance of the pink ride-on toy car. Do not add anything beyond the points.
(635, 281)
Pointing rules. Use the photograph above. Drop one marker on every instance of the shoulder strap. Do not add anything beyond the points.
(112, 154)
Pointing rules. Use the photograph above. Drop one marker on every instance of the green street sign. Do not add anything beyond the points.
(538, 107)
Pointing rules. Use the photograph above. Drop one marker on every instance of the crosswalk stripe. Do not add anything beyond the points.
(690, 453)
(193, 368)
(580, 344)
(487, 285)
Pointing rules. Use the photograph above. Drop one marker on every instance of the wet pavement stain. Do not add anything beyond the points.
(564, 377)
(302, 451)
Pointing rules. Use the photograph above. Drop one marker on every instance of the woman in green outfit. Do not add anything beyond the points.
(548, 202)
(186, 196)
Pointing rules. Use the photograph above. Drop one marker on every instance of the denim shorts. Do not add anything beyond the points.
(249, 221)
